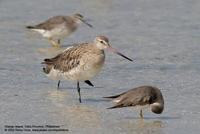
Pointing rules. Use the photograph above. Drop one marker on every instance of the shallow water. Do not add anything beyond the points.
(161, 36)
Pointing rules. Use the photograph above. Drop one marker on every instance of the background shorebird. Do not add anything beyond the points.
(141, 96)
(58, 27)
(80, 62)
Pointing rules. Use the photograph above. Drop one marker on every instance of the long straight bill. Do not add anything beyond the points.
(115, 51)
(85, 22)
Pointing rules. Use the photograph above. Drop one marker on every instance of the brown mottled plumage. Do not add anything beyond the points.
(140, 96)
(80, 62)
(71, 57)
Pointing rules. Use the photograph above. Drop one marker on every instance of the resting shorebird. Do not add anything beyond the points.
(141, 96)
(80, 62)
(58, 27)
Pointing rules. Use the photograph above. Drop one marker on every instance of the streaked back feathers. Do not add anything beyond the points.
(71, 57)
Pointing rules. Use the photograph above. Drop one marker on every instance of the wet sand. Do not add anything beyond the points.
(161, 36)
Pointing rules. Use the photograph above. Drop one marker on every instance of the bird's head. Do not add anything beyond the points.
(157, 107)
(80, 19)
(102, 43)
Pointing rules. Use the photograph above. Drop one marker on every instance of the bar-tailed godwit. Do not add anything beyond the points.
(80, 62)
(143, 97)
(58, 27)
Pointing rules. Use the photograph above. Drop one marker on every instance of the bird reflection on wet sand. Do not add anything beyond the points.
(72, 114)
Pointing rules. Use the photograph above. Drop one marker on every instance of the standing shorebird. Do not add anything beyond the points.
(80, 62)
(58, 27)
(141, 96)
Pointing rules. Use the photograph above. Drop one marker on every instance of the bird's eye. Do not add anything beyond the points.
(101, 42)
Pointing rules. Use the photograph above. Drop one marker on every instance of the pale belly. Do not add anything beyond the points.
(59, 32)
(79, 73)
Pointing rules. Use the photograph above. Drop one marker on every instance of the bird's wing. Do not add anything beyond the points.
(53, 22)
(128, 99)
(114, 96)
(67, 60)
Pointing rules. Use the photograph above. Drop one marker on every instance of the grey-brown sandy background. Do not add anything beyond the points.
(162, 36)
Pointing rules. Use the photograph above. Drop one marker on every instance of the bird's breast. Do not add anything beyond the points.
(94, 64)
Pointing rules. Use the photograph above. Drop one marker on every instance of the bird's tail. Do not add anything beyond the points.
(111, 107)
(30, 27)
(46, 69)
(48, 66)
(47, 61)
(116, 106)
(114, 96)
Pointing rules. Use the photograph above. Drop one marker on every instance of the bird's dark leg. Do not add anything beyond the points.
(89, 83)
(78, 89)
(141, 114)
(58, 84)
(59, 41)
